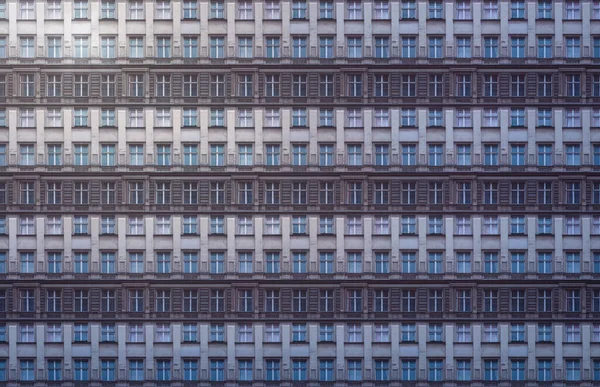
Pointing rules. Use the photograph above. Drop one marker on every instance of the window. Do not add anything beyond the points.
(544, 262)
(490, 47)
(544, 47)
(136, 370)
(463, 262)
(81, 370)
(354, 118)
(408, 88)
(81, 46)
(409, 47)
(408, 225)
(355, 300)
(572, 47)
(436, 369)
(544, 225)
(463, 85)
(190, 9)
(354, 47)
(463, 47)
(326, 263)
(163, 369)
(517, 47)
(436, 50)
(544, 332)
(573, 296)
(463, 333)
(572, 154)
(54, 370)
(544, 11)
(463, 10)
(572, 333)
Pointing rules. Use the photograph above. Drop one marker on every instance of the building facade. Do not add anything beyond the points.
(277, 192)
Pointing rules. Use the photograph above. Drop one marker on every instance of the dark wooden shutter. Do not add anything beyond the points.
(228, 300)
(286, 192)
(369, 85)
(67, 191)
(587, 295)
(422, 300)
(261, 191)
(286, 84)
(589, 77)
(286, 300)
(119, 185)
(447, 192)
(176, 299)
(151, 84)
(261, 300)
(447, 85)
(531, 84)
(43, 197)
(228, 85)
(556, 196)
(120, 300)
(43, 80)
(10, 86)
(261, 84)
(422, 83)
(228, 191)
(313, 85)
(479, 299)
(479, 84)
(422, 192)
(94, 84)
(504, 84)
(67, 84)
(370, 296)
(95, 187)
(531, 190)
(395, 84)
(313, 300)
(95, 299)
(152, 192)
(556, 89)
(67, 296)
(337, 191)
(504, 299)
(152, 299)
(10, 193)
(204, 86)
(531, 294)
(338, 85)
(120, 91)
(176, 84)
(396, 192)
(395, 300)
(337, 296)
(447, 300)
(176, 191)
(204, 297)
(10, 300)
(313, 192)
(556, 304)
(504, 192)
(43, 299)
(204, 192)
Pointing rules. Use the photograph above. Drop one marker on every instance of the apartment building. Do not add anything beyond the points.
(286, 192)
